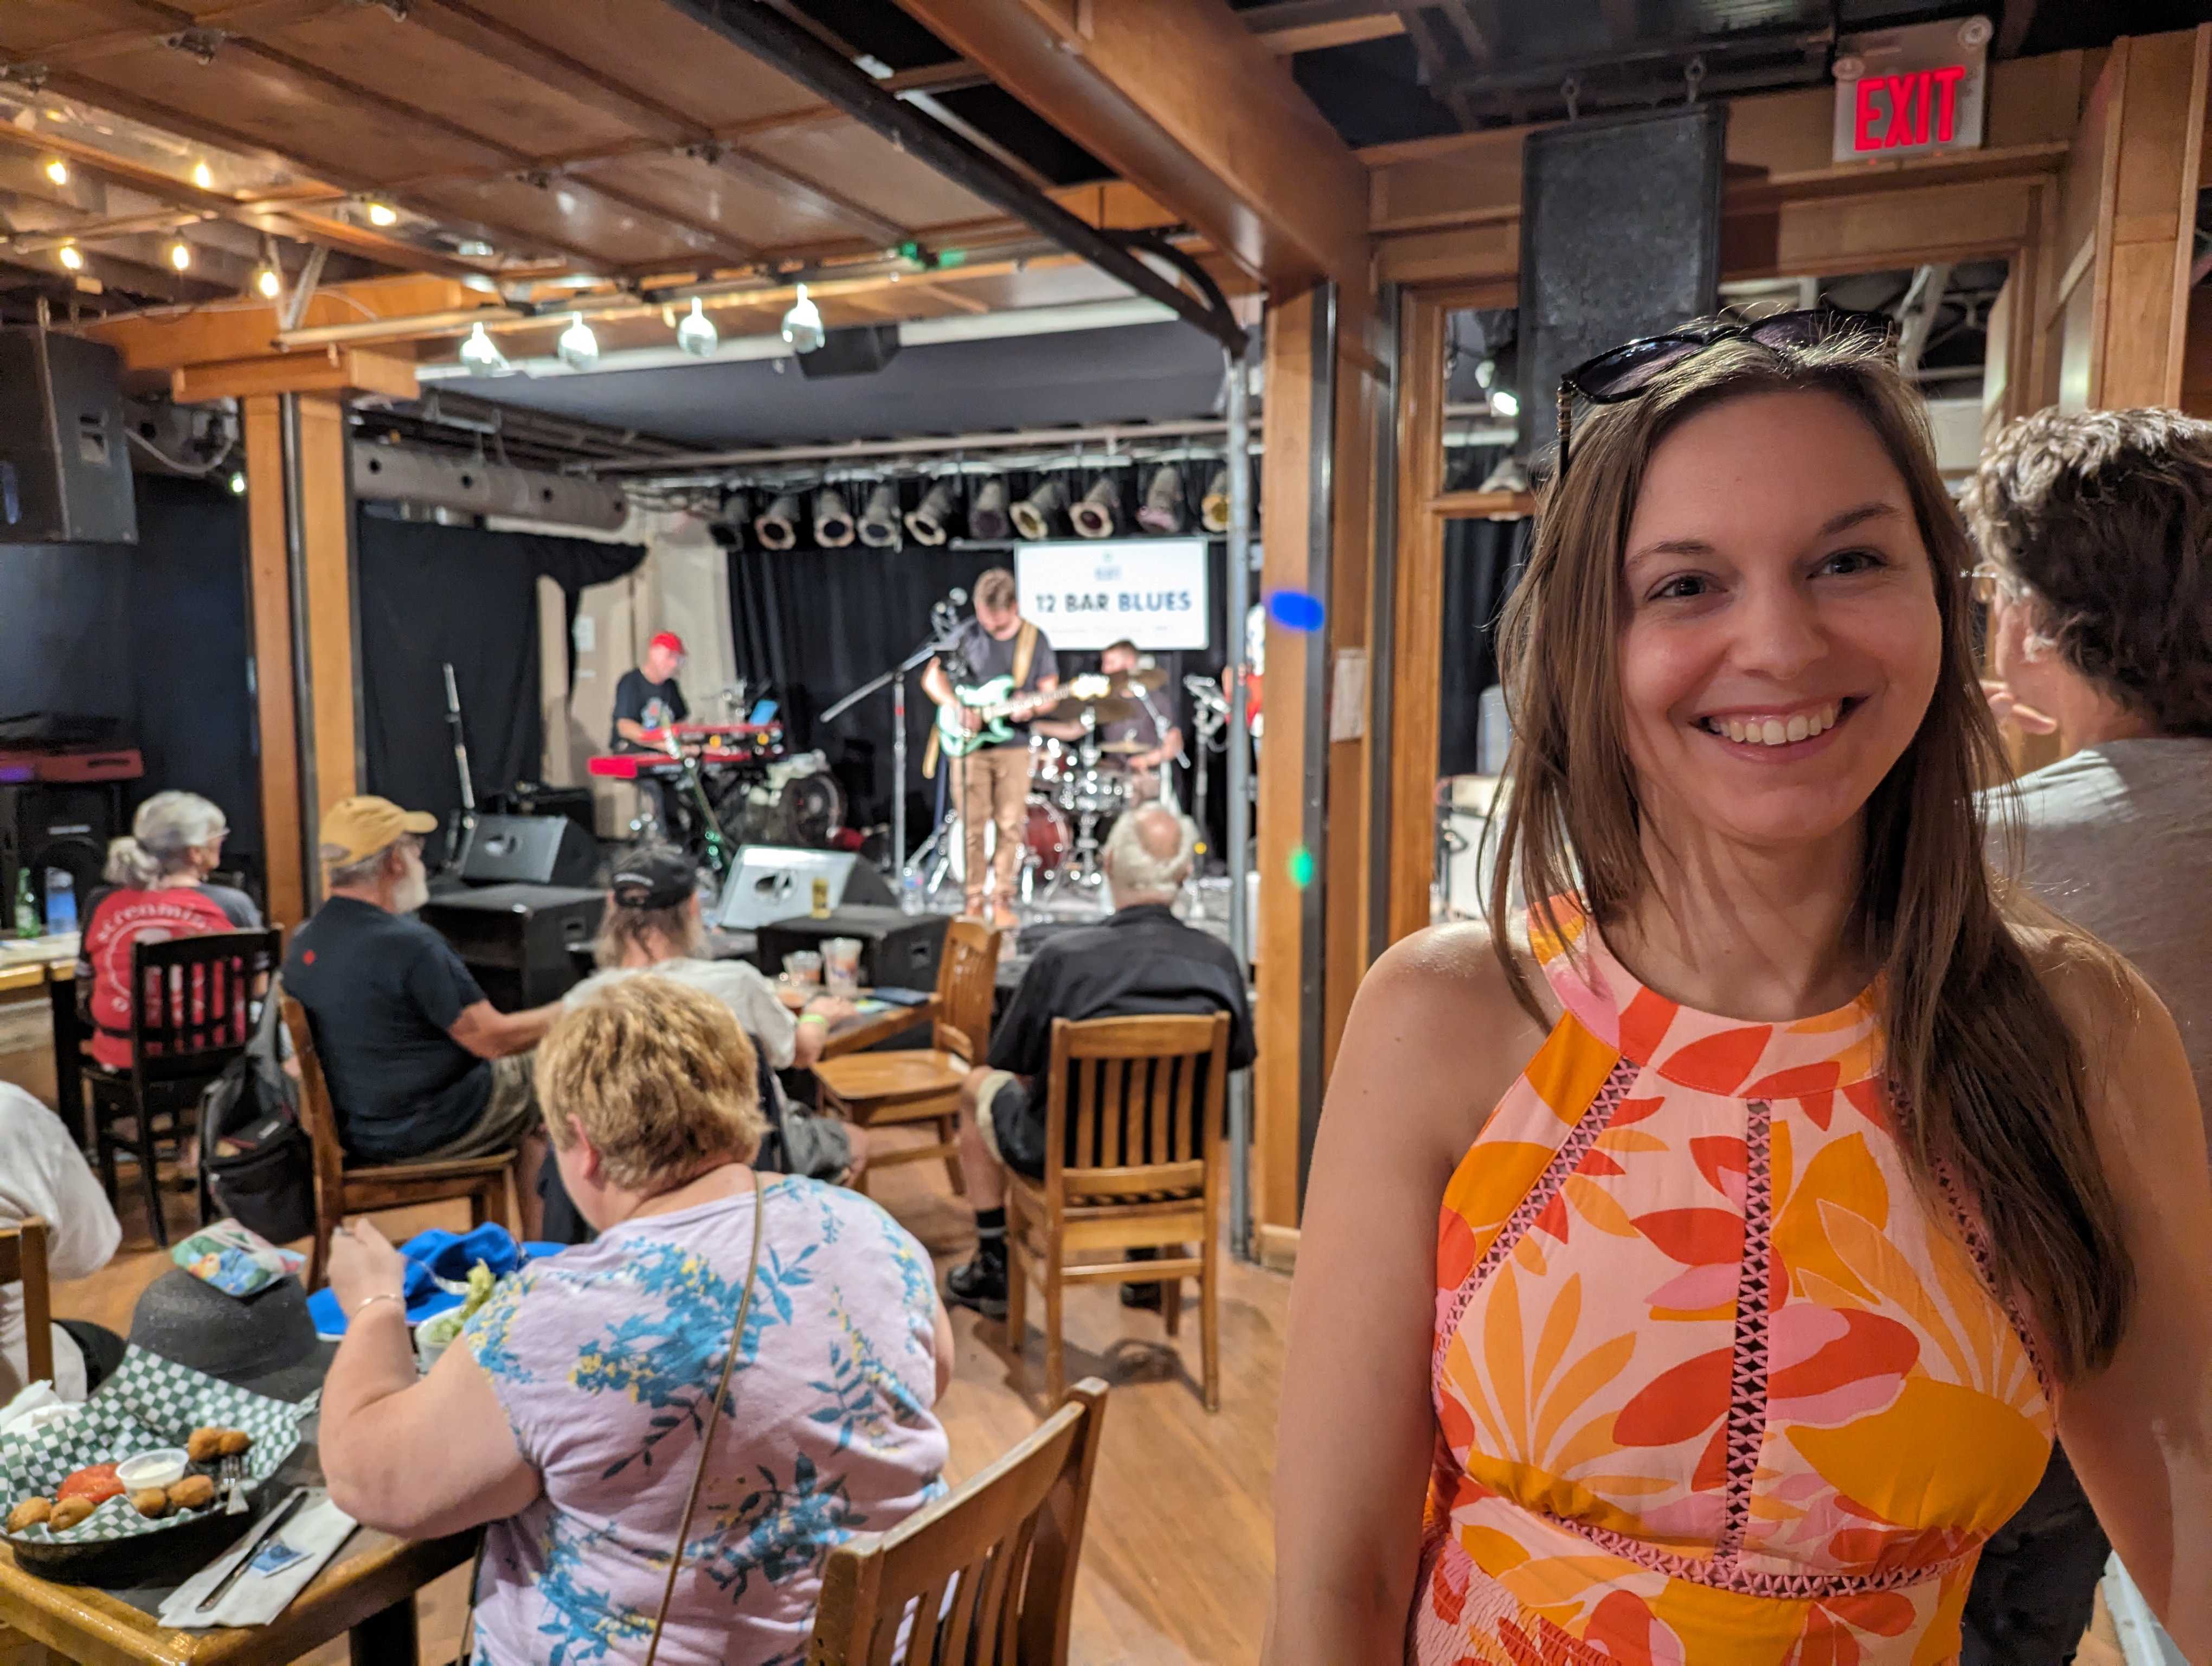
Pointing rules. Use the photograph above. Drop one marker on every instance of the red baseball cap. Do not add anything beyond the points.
(669, 640)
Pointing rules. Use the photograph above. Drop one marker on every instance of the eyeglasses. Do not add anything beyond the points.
(1986, 581)
(1626, 372)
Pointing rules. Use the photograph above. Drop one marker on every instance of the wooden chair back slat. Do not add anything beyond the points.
(23, 1261)
(194, 1010)
(318, 1116)
(967, 983)
(1109, 1074)
(1012, 1536)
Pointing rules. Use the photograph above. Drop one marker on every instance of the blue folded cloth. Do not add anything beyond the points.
(433, 1255)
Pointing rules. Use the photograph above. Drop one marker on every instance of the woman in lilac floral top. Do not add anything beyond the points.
(571, 1419)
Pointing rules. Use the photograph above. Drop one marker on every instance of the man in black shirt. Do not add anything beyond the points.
(420, 1065)
(648, 700)
(1141, 963)
(991, 785)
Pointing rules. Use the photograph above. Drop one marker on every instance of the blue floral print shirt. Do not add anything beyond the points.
(604, 1357)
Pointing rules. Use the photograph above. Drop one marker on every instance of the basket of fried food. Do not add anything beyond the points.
(135, 1489)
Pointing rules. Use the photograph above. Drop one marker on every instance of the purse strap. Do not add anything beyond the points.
(713, 1414)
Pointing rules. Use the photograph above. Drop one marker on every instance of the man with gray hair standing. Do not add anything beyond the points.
(1142, 962)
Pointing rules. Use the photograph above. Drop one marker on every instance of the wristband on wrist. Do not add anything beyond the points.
(814, 1018)
(392, 1296)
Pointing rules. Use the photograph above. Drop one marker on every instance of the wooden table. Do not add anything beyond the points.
(21, 979)
(864, 1030)
(367, 1591)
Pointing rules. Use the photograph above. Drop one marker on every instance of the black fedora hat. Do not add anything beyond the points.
(266, 1343)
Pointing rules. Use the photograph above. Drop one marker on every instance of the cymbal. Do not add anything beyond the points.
(1150, 682)
(1106, 708)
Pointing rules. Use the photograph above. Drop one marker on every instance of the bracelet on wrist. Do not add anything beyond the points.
(815, 1018)
(392, 1296)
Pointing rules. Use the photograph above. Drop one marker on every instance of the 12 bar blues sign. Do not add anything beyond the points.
(1090, 595)
(1910, 91)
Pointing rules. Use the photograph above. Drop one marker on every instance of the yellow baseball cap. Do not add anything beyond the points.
(354, 829)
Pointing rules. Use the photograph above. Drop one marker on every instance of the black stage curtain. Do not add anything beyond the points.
(430, 594)
(1482, 559)
(815, 624)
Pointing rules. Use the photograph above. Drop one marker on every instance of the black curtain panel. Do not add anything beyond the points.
(1482, 558)
(430, 594)
(814, 624)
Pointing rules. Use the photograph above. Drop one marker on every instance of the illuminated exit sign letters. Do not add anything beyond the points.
(1911, 91)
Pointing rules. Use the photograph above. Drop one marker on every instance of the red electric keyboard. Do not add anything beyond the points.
(716, 746)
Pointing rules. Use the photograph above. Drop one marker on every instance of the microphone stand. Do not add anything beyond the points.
(895, 677)
(461, 831)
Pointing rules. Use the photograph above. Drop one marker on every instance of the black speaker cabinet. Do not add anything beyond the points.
(64, 465)
(64, 827)
(857, 350)
(515, 938)
(531, 850)
(897, 950)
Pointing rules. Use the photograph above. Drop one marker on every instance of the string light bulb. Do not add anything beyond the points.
(802, 324)
(268, 283)
(202, 176)
(180, 254)
(57, 170)
(383, 214)
(696, 335)
(578, 346)
(1504, 401)
(70, 256)
(238, 485)
(481, 354)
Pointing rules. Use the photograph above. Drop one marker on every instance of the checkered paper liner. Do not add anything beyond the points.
(150, 1402)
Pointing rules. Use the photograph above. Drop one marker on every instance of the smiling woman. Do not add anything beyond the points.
(1825, 1180)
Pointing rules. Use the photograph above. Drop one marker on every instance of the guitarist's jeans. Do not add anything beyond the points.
(994, 785)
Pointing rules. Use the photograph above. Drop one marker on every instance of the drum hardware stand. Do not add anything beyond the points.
(461, 826)
(1082, 868)
(1209, 718)
(896, 677)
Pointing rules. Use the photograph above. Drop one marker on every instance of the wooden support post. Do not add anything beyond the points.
(269, 590)
(333, 625)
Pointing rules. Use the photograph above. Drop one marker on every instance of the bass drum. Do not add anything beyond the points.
(1045, 840)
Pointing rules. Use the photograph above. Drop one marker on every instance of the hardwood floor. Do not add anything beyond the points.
(1178, 1553)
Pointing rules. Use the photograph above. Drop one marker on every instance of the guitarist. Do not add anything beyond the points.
(992, 783)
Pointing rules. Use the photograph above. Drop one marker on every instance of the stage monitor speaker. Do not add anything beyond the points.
(859, 350)
(773, 882)
(897, 950)
(1621, 237)
(517, 939)
(64, 828)
(64, 465)
(531, 850)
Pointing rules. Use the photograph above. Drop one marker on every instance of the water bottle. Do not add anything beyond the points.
(27, 909)
(61, 903)
(910, 892)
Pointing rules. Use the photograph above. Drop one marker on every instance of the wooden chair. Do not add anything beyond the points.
(192, 1016)
(1139, 1102)
(23, 1261)
(1010, 1537)
(340, 1191)
(887, 1090)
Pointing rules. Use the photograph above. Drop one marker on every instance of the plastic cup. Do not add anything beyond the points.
(840, 964)
(803, 966)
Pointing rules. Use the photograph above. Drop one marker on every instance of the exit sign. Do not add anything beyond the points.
(1911, 91)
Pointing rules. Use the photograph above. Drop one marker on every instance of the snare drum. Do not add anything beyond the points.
(1046, 835)
(1096, 791)
(1050, 762)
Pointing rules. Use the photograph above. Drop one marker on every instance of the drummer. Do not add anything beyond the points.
(1146, 740)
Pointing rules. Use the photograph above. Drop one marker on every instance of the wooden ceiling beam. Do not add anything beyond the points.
(1312, 26)
(1179, 98)
(159, 27)
(1431, 50)
(462, 25)
(743, 159)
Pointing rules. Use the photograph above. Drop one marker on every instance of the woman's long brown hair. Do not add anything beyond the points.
(1986, 1077)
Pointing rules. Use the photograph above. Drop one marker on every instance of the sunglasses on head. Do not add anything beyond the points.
(1625, 373)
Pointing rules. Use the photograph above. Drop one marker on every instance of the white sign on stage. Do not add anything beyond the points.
(1153, 590)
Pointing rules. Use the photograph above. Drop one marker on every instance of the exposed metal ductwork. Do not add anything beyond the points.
(402, 474)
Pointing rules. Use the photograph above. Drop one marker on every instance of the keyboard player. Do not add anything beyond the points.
(648, 701)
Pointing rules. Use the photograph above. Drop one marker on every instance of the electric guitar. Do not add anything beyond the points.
(999, 707)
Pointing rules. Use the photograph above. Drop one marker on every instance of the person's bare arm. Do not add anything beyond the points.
(944, 1350)
(935, 683)
(630, 729)
(1433, 1041)
(491, 1034)
(811, 1034)
(2139, 1432)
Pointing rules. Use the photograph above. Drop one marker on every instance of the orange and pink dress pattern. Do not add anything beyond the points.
(1712, 1387)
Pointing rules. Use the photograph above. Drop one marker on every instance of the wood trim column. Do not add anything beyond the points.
(1417, 606)
(2160, 140)
(333, 626)
(269, 599)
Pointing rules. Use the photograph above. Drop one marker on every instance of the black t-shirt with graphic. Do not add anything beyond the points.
(653, 705)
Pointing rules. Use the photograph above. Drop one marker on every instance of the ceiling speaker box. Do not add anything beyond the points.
(860, 350)
(64, 465)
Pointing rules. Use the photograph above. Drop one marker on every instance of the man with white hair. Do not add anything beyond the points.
(1141, 963)
(420, 1064)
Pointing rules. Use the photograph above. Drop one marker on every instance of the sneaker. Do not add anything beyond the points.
(979, 1284)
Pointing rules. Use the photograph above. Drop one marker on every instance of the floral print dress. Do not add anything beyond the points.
(604, 1357)
(1712, 1387)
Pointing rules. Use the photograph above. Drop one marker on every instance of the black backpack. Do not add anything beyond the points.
(265, 1179)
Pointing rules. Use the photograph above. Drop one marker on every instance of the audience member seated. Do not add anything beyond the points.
(421, 1066)
(156, 890)
(43, 1173)
(571, 1419)
(1140, 963)
(651, 923)
(2096, 534)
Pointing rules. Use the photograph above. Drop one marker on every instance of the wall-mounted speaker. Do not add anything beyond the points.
(534, 850)
(859, 349)
(64, 465)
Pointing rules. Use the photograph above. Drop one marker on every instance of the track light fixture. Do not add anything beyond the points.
(930, 521)
(833, 522)
(802, 324)
(728, 529)
(777, 525)
(986, 513)
(481, 354)
(578, 346)
(1033, 516)
(181, 255)
(696, 335)
(1162, 509)
(70, 256)
(1213, 507)
(1098, 512)
(879, 518)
